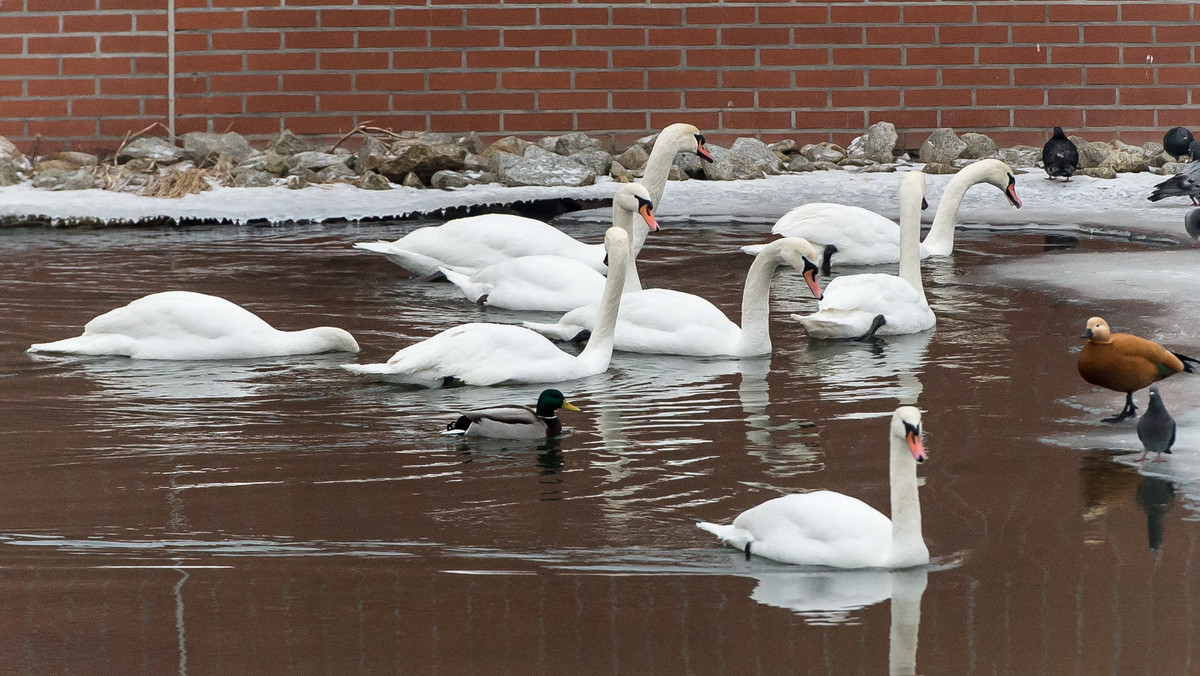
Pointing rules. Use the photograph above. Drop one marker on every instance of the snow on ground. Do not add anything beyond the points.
(1170, 279)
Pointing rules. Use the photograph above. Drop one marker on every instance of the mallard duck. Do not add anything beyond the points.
(513, 421)
(1126, 363)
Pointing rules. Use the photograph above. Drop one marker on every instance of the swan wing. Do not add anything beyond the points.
(821, 528)
(548, 283)
(862, 237)
(851, 302)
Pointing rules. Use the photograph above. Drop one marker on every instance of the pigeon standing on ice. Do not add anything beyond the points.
(1177, 141)
(1191, 223)
(1156, 428)
(1184, 184)
(1060, 157)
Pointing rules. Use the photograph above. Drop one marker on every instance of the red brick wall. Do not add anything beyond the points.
(87, 71)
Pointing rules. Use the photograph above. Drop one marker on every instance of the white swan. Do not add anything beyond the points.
(553, 283)
(859, 236)
(830, 529)
(488, 354)
(466, 245)
(183, 325)
(664, 321)
(859, 306)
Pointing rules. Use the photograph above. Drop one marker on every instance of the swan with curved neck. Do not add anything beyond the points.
(861, 306)
(184, 325)
(824, 528)
(489, 354)
(850, 235)
(664, 321)
(554, 283)
(467, 245)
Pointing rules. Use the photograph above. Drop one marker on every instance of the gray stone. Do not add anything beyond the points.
(287, 143)
(508, 144)
(942, 147)
(1172, 168)
(979, 146)
(446, 180)
(72, 159)
(423, 160)
(939, 168)
(825, 165)
(1154, 154)
(273, 163)
(371, 147)
(619, 173)
(315, 160)
(855, 162)
(1124, 161)
(676, 174)
(150, 148)
(487, 177)
(541, 167)
(799, 162)
(411, 180)
(634, 157)
(253, 178)
(57, 179)
(1090, 154)
(786, 146)
(296, 182)
(758, 154)
(307, 174)
(373, 181)
(1097, 172)
(207, 149)
(1020, 156)
(335, 173)
(823, 152)
(499, 160)
(875, 168)
(547, 142)
(729, 166)
(576, 142)
(595, 159)
(690, 164)
(471, 143)
(877, 144)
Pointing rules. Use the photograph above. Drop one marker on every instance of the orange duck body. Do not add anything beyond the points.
(1125, 363)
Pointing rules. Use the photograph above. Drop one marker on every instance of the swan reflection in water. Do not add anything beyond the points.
(851, 371)
(828, 597)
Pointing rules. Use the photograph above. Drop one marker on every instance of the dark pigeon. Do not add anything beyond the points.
(1156, 428)
(1060, 157)
(1177, 141)
(1184, 184)
(1191, 223)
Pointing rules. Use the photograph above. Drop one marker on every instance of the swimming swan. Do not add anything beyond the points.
(182, 325)
(859, 306)
(859, 236)
(467, 245)
(489, 354)
(664, 321)
(824, 528)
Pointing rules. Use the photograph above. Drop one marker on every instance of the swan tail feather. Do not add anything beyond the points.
(553, 331)
(738, 538)
(473, 291)
(753, 249)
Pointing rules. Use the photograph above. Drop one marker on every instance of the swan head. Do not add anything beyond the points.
(913, 184)
(685, 138)
(616, 245)
(635, 198)
(906, 425)
(550, 401)
(1097, 330)
(998, 174)
(800, 254)
(334, 339)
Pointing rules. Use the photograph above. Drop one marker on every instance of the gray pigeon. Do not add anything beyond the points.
(1177, 141)
(1184, 184)
(1156, 428)
(1191, 223)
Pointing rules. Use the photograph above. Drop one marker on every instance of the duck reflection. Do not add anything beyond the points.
(824, 597)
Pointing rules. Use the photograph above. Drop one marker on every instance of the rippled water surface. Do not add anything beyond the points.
(284, 516)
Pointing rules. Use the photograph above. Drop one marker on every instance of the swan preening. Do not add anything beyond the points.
(849, 235)
(467, 245)
(664, 321)
(183, 325)
(861, 306)
(489, 354)
(824, 528)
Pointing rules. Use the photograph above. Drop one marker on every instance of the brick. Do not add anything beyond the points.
(723, 15)
(465, 37)
(1123, 118)
(756, 79)
(282, 18)
(1158, 12)
(827, 35)
(1014, 55)
(419, 101)
(646, 100)
(60, 87)
(191, 42)
(280, 103)
(865, 14)
(1047, 76)
(901, 35)
(542, 37)
(755, 36)
(537, 122)
(356, 102)
(756, 119)
(1092, 12)
(937, 98)
(831, 119)
(150, 65)
(33, 108)
(975, 118)
(354, 18)
(390, 39)
(646, 58)
(209, 20)
(1049, 118)
(151, 22)
(305, 82)
(938, 13)
(39, 66)
(392, 82)
(1145, 55)
(535, 80)
(462, 81)
(1175, 75)
(1154, 96)
(437, 18)
(792, 15)
(681, 79)
(608, 80)
(230, 42)
(350, 61)
(1009, 13)
(690, 37)
(238, 82)
(902, 77)
(500, 101)
(934, 56)
(610, 37)
(976, 76)
(721, 58)
(73, 44)
(646, 16)
(300, 61)
(1089, 96)
(494, 16)
(973, 35)
(576, 100)
(1046, 34)
(480, 122)
(15, 25)
(794, 56)
(324, 124)
(131, 86)
(414, 59)
(60, 5)
(1127, 75)
(866, 56)
(1090, 54)
(792, 99)
(703, 120)
(1178, 34)
(1117, 34)
(567, 58)
(108, 108)
(62, 129)
(1009, 96)
(317, 40)
(619, 120)
(94, 23)
(873, 98)
(573, 16)
(833, 77)
(205, 63)
(719, 99)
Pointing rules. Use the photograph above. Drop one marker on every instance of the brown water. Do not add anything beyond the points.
(283, 516)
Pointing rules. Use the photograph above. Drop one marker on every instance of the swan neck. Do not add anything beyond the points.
(600, 344)
(940, 240)
(756, 304)
(910, 241)
(658, 166)
(638, 231)
(906, 506)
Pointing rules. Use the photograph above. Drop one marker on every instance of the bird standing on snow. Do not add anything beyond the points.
(1184, 184)
(1156, 428)
(1126, 363)
(1177, 141)
(1060, 157)
(1191, 223)
(515, 422)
